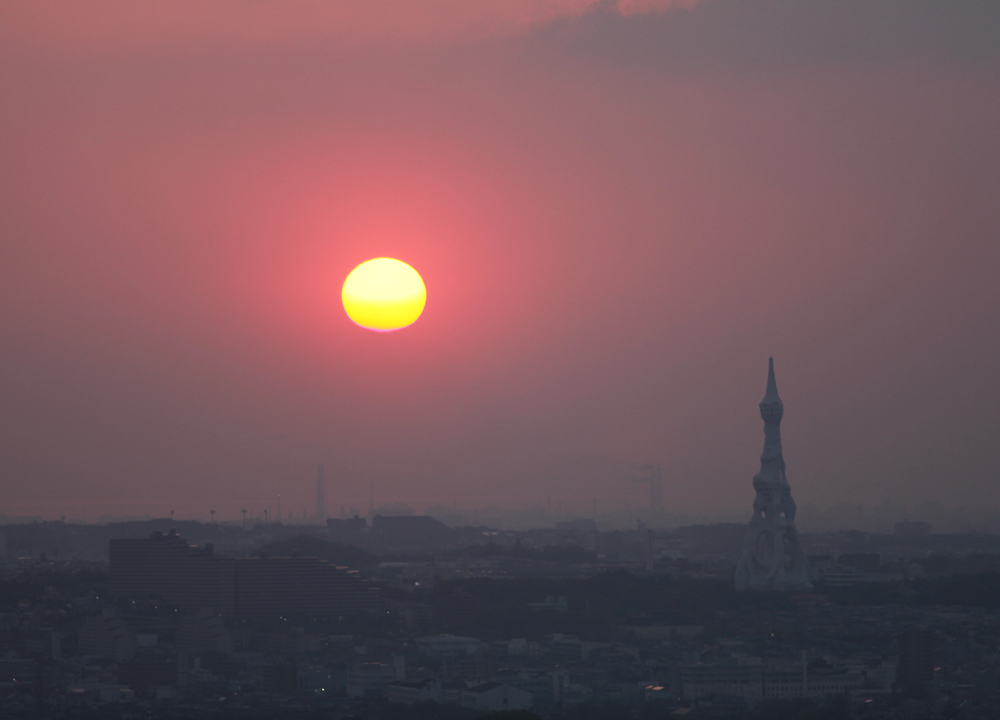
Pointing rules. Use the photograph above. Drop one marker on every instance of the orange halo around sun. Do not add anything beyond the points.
(384, 295)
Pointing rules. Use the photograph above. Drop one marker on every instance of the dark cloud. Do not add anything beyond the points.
(748, 34)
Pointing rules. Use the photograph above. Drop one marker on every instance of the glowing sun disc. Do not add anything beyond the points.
(384, 295)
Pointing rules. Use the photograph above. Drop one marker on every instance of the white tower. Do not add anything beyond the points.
(772, 557)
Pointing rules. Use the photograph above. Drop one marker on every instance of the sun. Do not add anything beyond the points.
(384, 295)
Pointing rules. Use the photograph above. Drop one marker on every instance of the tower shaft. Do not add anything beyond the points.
(320, 496)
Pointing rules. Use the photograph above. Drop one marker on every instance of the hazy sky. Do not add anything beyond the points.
(620, 210)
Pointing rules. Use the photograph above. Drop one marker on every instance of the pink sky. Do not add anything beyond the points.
(112, 25)
(619, 216)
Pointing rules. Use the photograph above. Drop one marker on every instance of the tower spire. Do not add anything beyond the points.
(771, 394)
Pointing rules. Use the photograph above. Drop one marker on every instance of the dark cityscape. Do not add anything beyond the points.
(405, 617)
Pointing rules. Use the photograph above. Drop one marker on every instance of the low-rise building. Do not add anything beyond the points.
(793, 682)
(727, 679)
(369, 678)
(495, 696)
(447, 646)
(409, 692)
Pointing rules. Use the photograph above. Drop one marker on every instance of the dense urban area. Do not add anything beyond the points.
(408, 617)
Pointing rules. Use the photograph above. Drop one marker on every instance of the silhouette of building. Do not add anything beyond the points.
(407, 693)
(729, 679)
(203, 632)
(299, 586)
(496, 697)
(17, 674)
(167, 567)
(106, 635)
(447, 646)
(144, 675)
(865, 562)
(773, 558)
(457, 608)
(410, 530)
(346, 529)
(369, 678)
(279, 678)
(916, 660)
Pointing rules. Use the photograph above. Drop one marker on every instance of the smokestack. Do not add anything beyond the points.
(320, 496)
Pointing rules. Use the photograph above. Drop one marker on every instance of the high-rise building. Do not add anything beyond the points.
(167, 567)
(772, 557)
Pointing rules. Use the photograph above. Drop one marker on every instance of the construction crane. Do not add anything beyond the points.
(653, 475)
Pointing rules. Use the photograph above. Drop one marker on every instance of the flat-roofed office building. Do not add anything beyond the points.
(169, 568)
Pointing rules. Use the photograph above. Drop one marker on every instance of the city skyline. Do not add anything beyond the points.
(402, 359)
